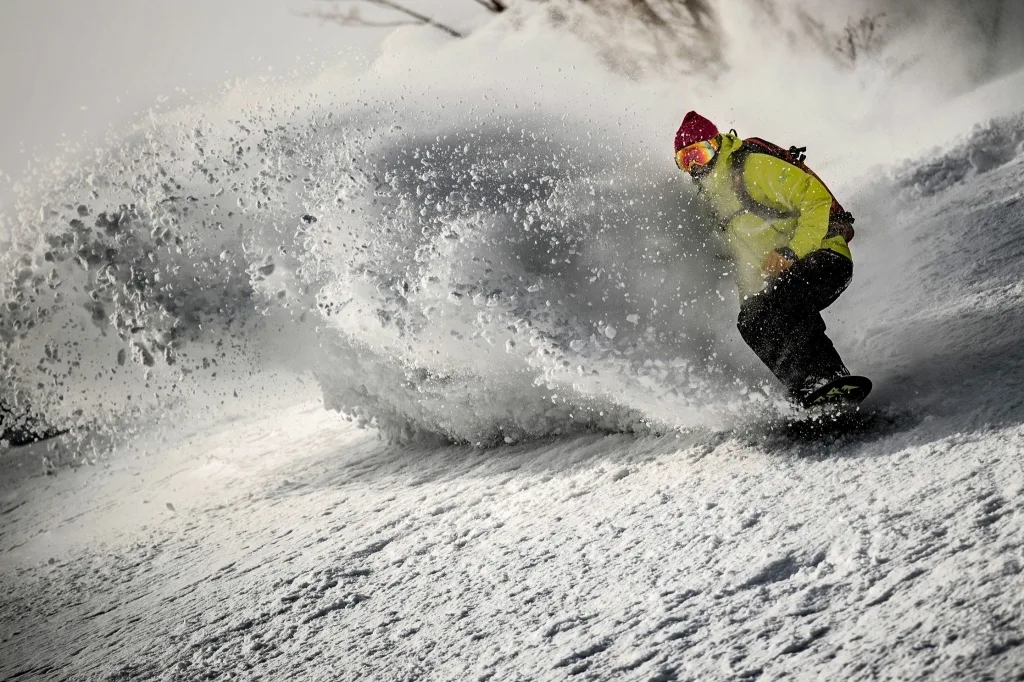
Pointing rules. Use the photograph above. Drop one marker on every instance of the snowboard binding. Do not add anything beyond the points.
(842, 391)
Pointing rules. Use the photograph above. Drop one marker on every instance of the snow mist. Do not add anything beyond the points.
(468, 241)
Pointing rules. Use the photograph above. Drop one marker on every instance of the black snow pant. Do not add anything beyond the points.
(783, 324)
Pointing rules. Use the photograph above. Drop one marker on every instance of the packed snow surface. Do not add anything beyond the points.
(573, 466)
(299, 548)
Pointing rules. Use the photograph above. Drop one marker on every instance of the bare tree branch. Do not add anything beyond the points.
(353, 18)
(496, 6)
(860, 38)
(681, 31)
(347, 19)
(647, 13)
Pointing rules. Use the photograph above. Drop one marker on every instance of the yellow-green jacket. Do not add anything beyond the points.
(800, 200)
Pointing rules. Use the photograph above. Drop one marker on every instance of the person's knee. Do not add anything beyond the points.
(749, 323)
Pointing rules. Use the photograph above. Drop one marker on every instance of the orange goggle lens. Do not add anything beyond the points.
(697, 154)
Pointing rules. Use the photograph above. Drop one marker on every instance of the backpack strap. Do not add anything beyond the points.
(794, 155)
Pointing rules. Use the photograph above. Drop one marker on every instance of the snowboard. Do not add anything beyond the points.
(840, 392)
(833, 411)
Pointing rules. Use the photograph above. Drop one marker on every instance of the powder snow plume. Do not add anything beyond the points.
(468, 241)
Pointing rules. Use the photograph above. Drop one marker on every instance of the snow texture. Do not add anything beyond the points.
(314, 551)
(583, 473)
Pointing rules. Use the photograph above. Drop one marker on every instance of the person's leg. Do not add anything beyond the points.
(783, 324)
(827, 275)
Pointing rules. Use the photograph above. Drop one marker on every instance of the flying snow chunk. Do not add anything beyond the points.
(610, 332)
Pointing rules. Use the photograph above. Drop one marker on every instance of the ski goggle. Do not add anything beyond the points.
(697, 154)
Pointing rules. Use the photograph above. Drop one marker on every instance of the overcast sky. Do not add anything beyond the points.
(76, 67)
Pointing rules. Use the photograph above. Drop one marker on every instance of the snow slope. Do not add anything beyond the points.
(314, 552)
(510, 261)
(299, 547)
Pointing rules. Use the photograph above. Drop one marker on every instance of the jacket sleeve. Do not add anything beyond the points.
(785, 187)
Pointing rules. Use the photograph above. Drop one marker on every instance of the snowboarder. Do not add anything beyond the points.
(791, 259)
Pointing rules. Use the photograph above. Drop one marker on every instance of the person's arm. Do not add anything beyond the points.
(785, 187)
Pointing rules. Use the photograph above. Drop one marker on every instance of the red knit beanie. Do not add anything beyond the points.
(694, 128)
